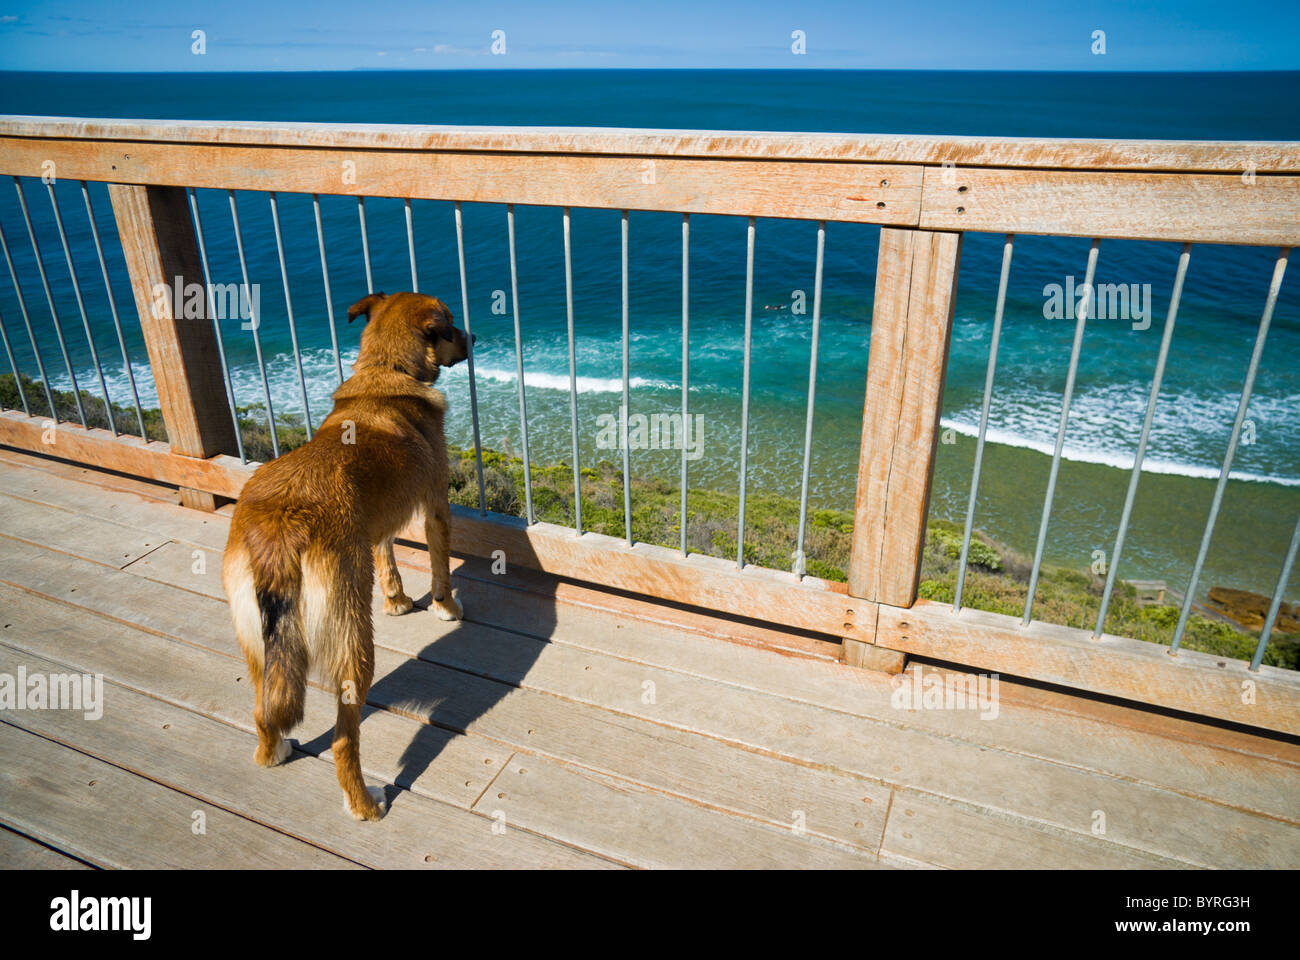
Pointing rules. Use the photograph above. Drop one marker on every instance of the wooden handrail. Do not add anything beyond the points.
(1194, 192)
(1152, 156)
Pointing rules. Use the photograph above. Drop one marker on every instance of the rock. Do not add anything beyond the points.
(1249, 609)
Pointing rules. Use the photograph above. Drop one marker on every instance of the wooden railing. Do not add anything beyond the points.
(924, 193)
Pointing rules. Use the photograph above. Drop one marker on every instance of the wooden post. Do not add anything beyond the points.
(911, 324)
(160, 249)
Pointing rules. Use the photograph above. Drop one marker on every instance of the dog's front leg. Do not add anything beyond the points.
(437, 531)
(396, 602)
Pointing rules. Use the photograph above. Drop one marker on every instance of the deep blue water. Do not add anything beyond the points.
(1217, 324)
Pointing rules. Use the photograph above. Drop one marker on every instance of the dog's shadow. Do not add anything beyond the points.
(465, 670)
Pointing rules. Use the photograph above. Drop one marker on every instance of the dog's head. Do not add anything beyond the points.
(410, 332)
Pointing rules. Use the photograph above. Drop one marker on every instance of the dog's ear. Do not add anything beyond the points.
(364, 306)
(440, 325)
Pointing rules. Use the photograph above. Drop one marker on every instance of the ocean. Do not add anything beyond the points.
(1215, 332)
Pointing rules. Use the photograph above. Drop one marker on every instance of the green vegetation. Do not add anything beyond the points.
(252, 417)
(996, 580)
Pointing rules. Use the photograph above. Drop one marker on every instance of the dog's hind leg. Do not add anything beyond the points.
(396, 602)
(336, 610)
(272, 748)
(437, 531)
(364, 803)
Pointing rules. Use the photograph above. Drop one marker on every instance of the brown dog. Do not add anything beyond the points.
(311, 528)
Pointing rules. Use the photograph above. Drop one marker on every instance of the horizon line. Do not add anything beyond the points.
(667, 69)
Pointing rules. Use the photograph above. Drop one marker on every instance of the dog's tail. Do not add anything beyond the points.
(284, 677)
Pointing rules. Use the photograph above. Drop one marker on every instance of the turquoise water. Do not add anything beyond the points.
(1215, 333)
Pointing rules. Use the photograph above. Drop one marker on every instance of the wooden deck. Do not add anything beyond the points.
(558, 726)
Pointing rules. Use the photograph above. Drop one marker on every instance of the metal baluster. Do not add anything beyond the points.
(1089, 302)
(801, 564)
(519, 365)
(984, 418)
(49, 298)
(216, 326)
(410, 244)
(1283, 579)
(744, 395)
(18, 380)
(469, 337)
(112, 306)
(288, 306)
(1170, 318)
(325, 279)
(627, 402)
(573, 377)
(686, 360)
(27, 321)
(1279, 270)
(81, 307)
(365, 243)
(254, 321)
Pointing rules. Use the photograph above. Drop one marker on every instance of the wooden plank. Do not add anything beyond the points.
(113, 818)
(212, 762)
(510, 602)
(19, 852)
(941, 834)
(839, 807)
(1190, 155)
(1197, 683)
(103, 541)
(1217, 765)
(628, 824)
(711, 583)
(1047, 792)
(215, 684)
(736, 841)
(911, 324)
(222, 474)
(986, 772)
(1225, 766)
(1199, 208)
(871, 657)
(405, 743)
(125, 509)
(172, 563)
(100, 480)
(774, 596)
(1180, 760)
(161, 251)
(567, 599)
(806, 190)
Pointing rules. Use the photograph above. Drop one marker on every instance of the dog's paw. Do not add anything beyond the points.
(448, 609)
(275, 757)
(376, 809)
(398, 605)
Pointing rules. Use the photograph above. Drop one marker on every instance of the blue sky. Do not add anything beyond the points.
(404, 34)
